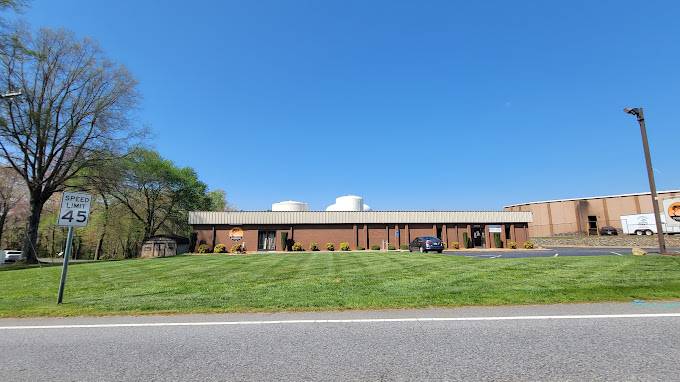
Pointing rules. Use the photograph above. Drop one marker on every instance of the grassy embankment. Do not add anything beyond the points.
(328, 281)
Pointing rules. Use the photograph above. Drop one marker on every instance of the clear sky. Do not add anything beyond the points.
(413, 105)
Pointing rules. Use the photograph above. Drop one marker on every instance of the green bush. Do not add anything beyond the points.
(512, 244)
(455, 245)
(314, 246)
(391, 247)
(237, 248)
(529, 244)
(203, 248)
(220, 248)
(284, 241)
(297, 246)
(497, 240)
(330, 246)
(375, 247)
(360, 248)
(467, 240)
(344, 246)
(403, 246)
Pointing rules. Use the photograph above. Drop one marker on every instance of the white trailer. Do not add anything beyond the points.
(644, 224)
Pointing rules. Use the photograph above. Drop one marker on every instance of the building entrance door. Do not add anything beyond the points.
(266, 240)
(478, 236)
(592, 225)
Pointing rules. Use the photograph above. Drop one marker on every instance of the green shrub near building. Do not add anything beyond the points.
(466, 240)
(497, 240)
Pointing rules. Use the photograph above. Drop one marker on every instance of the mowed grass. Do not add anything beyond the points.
(330, 281)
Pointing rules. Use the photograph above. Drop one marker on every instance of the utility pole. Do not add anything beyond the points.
(638, 112)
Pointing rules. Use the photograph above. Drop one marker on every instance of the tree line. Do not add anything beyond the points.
(66, 124)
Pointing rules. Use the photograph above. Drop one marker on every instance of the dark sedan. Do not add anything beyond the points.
(608, 231)
(426, 244)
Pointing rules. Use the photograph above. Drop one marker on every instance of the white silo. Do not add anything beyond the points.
(290, 205)
(347, 203)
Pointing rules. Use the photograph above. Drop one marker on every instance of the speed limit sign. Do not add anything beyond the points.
(75, 209)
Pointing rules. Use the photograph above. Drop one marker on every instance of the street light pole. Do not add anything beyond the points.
(638, 112)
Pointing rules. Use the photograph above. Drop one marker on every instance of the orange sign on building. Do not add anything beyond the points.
(236, 234)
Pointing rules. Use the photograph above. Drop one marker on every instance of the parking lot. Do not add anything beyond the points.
(552, 252)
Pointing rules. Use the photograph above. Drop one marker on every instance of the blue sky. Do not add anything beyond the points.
(413, 105)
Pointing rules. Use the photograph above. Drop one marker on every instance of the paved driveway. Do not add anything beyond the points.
(552, 252)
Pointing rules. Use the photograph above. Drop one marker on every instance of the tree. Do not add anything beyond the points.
(73, 113)
(12, 4)
(11, 193)
(218, 201)
(157, 192)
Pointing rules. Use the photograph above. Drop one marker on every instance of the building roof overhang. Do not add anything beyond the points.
(356, 217)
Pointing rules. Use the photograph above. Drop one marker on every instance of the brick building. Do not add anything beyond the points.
(265, 230)
(587, 215)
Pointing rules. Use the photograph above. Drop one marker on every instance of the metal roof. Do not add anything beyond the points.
(356, 217)
(593, 197)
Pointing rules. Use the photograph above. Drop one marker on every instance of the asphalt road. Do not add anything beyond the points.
(551, 252)
(503, 343)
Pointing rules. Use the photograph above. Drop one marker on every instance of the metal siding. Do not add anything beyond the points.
(356, 217)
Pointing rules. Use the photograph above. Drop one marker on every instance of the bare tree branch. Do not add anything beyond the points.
(73, 114)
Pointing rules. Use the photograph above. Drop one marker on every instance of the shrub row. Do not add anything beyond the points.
(220, 248)
(344, 246)
(497, 243)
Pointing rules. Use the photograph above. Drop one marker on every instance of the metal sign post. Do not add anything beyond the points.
(74, 212)
(64, 269)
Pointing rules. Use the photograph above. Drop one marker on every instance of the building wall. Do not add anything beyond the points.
(376, 234)
(571, 216)
(363, 235)
(322, 234)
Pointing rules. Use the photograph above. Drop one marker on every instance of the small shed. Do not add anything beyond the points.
(164, 246)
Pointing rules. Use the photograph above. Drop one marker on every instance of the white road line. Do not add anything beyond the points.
(616, 253)
(344, 321)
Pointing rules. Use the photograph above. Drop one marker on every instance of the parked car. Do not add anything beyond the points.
(608, 231)
(10, 256)
(426, 244)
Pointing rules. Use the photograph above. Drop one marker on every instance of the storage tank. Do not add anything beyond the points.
(290, 205)
(347, 203)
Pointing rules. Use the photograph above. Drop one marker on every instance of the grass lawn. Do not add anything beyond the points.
(329, 281)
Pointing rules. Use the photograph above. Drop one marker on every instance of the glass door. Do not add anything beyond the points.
(266, 240)
(478, 239)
